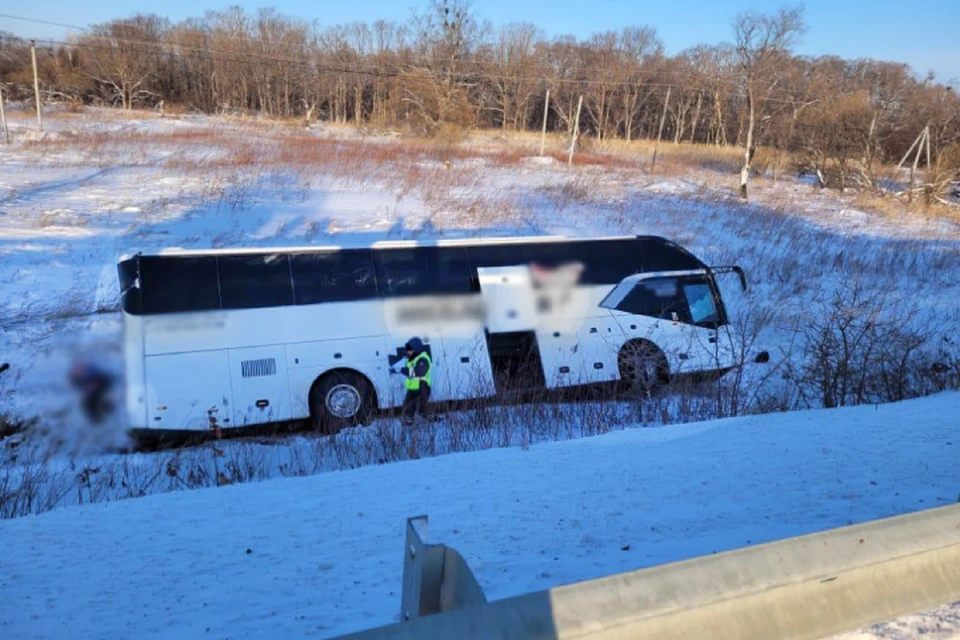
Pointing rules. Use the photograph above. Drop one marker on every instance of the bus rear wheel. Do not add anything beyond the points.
(340, 399)
(643, 367)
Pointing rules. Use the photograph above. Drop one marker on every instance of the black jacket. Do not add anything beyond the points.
(420, 370)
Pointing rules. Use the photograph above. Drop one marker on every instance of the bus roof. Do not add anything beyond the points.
(381, 244)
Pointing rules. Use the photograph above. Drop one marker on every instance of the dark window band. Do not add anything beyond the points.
(171, 283)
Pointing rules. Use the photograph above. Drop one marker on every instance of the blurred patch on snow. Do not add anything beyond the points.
(545, 160)
(32, 135)
(672, 187)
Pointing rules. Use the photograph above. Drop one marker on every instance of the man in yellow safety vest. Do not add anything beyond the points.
(418, 378)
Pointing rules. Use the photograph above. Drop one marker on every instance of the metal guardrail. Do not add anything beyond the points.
(810, 586)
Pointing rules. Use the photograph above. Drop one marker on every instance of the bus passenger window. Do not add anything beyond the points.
(253, 281)
(333, 276)
(449, 269)
(402, 272)
(179, 284)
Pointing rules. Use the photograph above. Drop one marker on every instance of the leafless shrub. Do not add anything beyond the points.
(31, 489)
(860, 348)
(735, 393)
(11, 424)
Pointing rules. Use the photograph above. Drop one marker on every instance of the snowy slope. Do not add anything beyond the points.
(101, 184)
(319, 556)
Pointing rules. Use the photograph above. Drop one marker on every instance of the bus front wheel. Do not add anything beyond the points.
(340, 399)
(643, 367)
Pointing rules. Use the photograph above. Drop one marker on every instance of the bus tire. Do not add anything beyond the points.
(643, 367)
(340, 399)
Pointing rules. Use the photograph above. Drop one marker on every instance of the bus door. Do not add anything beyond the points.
(561, 357)
(511, 306)
(462, 368)
(508, 299)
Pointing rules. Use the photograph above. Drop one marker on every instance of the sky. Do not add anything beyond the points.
(922, 33)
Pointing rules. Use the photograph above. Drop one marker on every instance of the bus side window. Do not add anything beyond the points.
(402, 272)
(179, 284)
(656, 297)
(549, 254)
(449, 269)
(659, 254)
(333, 276)
(252, 281)
(609, 262)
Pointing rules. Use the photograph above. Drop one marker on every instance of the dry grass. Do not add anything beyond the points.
(410, 163)
(676, 157)
(898, 208)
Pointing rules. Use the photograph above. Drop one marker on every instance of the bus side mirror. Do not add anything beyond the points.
(732, 268)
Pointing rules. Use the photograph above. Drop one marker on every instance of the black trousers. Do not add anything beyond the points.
(416, 401)
(96, 404)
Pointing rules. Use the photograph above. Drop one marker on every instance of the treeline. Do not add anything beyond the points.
(444, 67)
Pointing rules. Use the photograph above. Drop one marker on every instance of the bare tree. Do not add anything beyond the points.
(603, 58)
(564, 75)
(436, 85)
(232, 69)
(123, 56)
(513, 74)
(641, 53)
(763, 42)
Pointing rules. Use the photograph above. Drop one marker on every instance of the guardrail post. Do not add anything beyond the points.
(436, 578)
(422, 572)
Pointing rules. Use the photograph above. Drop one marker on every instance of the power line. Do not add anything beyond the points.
(54, 24)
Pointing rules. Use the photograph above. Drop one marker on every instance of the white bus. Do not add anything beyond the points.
(232, 338)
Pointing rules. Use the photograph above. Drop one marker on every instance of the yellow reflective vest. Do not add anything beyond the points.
(412, 382)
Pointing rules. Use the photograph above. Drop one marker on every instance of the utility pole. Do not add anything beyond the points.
(546, 110)
(696, 118)
(36, 83)
(663, 118)
(576, 132)
(3, 117)
(923, 138)
(916, 160)
(927, 187)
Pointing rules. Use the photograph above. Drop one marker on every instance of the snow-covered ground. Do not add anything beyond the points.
(98, 184)
(321, 555)
(941, 623)
(323, 551)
